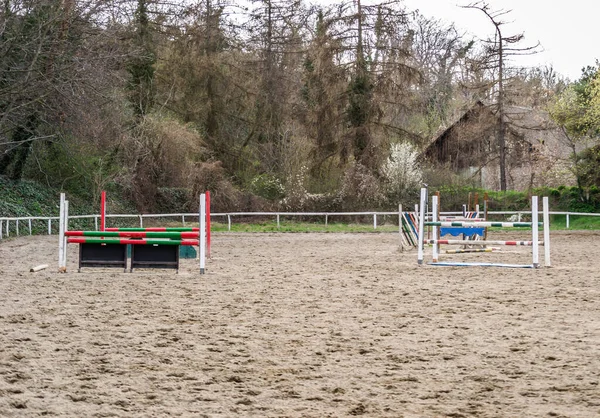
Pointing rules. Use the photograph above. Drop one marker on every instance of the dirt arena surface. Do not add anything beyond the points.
(302, 325)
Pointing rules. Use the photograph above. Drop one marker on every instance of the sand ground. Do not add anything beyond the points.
(302, 325)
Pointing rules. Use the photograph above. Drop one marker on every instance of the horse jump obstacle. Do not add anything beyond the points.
(408, 224)
(150, 247)
(534, 243)
(471, 233)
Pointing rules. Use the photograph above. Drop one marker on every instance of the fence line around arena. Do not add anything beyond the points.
(5, 222)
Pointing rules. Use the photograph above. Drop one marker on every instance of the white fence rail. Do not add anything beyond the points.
(16, 225)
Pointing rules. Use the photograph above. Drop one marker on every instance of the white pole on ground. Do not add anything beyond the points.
(62, 268)
(29, 223)
(38, 268)
(228, 222)
(374, 221)
(202, 237)
(7, 228)
(1, 232)
(434, 215)
(546, 220)
(17, 227)
(421, 225)
(535, 231)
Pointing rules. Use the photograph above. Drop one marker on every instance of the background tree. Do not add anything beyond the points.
(498, 51)
(141, 65)
(439, 52)
(59, 59)
(577, 111)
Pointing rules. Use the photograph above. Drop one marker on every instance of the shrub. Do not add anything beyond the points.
(360, 189)
(267, 186)
(402, 174)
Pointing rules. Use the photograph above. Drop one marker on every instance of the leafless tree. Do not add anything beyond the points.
(498, 51)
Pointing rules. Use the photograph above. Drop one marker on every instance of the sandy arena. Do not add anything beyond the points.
(302, 325)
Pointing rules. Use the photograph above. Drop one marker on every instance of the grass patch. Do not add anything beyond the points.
(559, 222)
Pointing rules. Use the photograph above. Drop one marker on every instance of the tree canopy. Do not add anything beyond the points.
(273, 102)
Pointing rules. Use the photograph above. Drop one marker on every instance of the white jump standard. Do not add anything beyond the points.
(534, 243)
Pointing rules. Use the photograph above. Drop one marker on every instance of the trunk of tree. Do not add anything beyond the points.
(501, 119)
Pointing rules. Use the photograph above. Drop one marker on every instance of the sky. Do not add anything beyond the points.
(568, 31)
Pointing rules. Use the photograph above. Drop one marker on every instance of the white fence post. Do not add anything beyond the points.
(29, 223)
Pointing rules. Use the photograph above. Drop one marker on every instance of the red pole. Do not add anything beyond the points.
(208, 224)
(102, 210)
